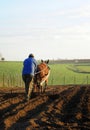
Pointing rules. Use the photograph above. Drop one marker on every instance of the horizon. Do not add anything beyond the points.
(45, 59)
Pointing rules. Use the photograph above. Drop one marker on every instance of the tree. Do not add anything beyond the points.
(2, 59)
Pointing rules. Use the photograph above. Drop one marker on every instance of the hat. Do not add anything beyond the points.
(31, 55)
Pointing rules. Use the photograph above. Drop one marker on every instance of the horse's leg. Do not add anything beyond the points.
(41, 87)
(35, 88)
(45, 85)
(38, 88)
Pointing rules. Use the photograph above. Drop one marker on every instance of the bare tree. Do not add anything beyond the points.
(2, 59)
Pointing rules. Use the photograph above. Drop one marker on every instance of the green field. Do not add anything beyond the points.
(61, 74)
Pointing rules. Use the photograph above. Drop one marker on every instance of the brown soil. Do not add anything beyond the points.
(59, 108)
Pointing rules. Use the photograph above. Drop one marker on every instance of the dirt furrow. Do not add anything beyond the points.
(32, 108)
(61, 107)
(53, 113)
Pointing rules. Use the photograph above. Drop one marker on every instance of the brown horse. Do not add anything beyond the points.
(42, 75)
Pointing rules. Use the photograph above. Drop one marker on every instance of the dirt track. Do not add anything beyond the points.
(60, 108)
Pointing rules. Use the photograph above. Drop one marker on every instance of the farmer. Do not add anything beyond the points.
(28, 72)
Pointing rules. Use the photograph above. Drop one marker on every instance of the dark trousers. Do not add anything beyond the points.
(28, 80)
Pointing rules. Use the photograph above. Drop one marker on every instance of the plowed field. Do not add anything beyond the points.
(59, 108)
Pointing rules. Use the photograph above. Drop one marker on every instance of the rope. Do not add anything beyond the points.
(40, 71)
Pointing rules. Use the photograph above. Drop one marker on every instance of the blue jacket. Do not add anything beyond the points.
(29, 66)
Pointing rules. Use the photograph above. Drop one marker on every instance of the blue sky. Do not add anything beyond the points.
(50, 29)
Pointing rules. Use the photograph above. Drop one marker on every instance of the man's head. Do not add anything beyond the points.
(31, 55)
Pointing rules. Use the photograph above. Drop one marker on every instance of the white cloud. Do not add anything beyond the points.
(83, 11)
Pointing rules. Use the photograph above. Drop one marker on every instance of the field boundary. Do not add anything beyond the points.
(16, 81)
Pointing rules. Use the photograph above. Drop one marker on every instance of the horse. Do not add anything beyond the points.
(41, 76)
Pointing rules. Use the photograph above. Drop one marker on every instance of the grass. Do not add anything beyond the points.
(60, 74)
(80, 68)
(11, 74)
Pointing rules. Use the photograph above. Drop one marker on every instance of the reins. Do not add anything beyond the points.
(41, 71)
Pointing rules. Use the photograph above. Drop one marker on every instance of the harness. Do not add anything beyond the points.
(41, 70)
(43, 79)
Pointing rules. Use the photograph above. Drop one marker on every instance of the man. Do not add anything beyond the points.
(28, 72)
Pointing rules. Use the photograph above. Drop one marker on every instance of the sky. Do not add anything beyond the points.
(50, 29)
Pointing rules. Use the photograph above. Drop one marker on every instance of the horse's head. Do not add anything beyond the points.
(43, 68)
